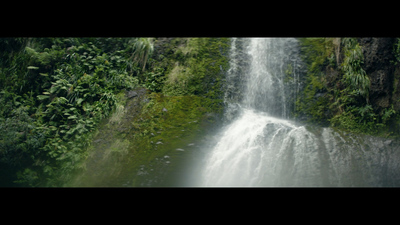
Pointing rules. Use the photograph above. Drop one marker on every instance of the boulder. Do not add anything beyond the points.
(131, 94)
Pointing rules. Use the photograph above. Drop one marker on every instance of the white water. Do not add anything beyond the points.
(265, 90)
(262, 147)
(250, 147)
(260, 150)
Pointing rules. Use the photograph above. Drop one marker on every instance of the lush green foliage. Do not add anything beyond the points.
(195, 67)
(154, 80)
(342, 101)
(186, 80)
(54, 93)
(354, 76)
(354, 111)
(142, 50)
(316, 53)
(147, 128)
(173, 115)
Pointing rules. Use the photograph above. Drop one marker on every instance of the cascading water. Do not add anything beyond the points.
(262, 147)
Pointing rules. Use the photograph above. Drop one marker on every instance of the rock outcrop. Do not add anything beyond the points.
(378, 65)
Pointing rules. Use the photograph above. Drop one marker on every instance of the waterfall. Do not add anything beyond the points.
(262, 146)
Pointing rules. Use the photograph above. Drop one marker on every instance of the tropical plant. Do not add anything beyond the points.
(142, 50)
(155, 80)
(387, 114)
(354, 76)
(53, 93)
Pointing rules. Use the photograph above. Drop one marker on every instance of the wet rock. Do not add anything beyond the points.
(317, 95)
(159, 143)
(131, 94)
(164, 110)
(378, 54)
(388, 142)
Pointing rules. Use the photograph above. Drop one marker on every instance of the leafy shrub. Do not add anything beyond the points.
(142, 50)
(354, 76)
(55, 92)
(197, 68)
(155, 80)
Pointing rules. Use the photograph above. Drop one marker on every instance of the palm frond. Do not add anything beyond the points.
(142, 50)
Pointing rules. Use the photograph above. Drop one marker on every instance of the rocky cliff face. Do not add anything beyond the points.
(355, 160)
(378, 64)
(110, 154)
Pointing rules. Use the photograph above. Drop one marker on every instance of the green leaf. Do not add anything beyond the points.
(44, 74)
(72, 117)
(32, 68)
(62, 100)
(53, 89)
(79, 101)
(41, 97)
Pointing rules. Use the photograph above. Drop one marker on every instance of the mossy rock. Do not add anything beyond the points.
(135, 140)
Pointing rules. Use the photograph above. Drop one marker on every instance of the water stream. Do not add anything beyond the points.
(263, 146)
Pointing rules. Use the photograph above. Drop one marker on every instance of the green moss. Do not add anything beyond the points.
(151, 126)
(311, 106)
(171, 115)
(341, 104)
(315, 52)
(194, 66)
(168, 122)
(349, 121)
(187, 89)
